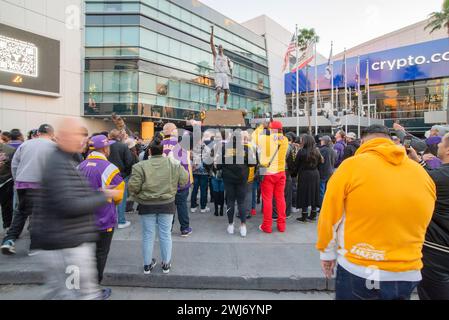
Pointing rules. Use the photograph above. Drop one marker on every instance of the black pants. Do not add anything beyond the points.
(236, 192)
(435, 282)
(102, 252)
(6, 202)
(26, 199)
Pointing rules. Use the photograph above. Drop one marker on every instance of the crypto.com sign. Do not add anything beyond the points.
(427, 60)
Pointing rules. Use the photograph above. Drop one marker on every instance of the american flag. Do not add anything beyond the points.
(291, 48)
(305, 58)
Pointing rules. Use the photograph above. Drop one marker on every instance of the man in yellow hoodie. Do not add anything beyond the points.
(373, 222)
(272, 147)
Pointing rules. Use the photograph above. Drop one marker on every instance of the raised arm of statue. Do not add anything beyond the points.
(212, 45)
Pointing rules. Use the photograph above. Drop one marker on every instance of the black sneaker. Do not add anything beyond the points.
(106, 293)
(312, 217)
(166, 268)
(147, 269)
(302, 220)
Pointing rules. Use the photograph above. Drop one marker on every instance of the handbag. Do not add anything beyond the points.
(258, 175)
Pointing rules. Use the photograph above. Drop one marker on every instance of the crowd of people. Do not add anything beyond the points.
(381, 201)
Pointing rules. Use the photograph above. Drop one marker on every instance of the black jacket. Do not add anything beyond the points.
(236, 173)
(6, 155)
(122, 158)
(327, 168)
(64, 216)
(438, 231)
(351, 149)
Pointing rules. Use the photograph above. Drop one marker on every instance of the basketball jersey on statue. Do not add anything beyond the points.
(221, 64)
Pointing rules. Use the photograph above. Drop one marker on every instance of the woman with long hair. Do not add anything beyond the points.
(308, 194)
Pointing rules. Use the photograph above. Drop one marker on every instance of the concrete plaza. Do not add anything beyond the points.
(209, 259)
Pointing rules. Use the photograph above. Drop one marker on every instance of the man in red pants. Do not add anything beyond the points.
(272, 146)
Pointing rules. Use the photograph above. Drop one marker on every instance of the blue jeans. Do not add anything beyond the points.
(182, 210)
(121, 208)
(255, 187)
(351, 287)
(199, 182)
(149, 222)
(323, 187)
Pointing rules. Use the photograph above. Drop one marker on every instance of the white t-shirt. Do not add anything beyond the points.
(222, 64)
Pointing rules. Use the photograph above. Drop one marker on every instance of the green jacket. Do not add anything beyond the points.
(155, 181)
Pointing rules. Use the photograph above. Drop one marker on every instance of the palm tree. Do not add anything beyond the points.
(256, 110)
(306, 38)
(439, 20)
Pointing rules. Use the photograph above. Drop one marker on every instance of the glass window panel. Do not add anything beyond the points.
(186, 16)
(149, 39)
(94, 81)
(130, 36)
(94, 36)
(147, 99)
(162, 86)
(94, 7)
(147, 83)
(150, 55)
(111, 52)
(128, 81)
(111, 81)
(186, 52)
(174, 88)
(161, 101)
(195, 93)
(163, 45)
(185, 91)
(110, 97)
(175, 48)
(112, 36)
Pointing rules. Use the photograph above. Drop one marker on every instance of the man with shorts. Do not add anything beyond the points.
(223, 68)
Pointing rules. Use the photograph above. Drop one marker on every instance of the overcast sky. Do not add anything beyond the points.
(346, 22)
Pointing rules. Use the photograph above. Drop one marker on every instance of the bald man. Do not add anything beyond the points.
(64, 224)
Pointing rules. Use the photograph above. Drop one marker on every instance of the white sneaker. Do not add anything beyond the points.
(33, 253)
(207, 210)
(125, 225)
(243, 231)
(193, 210)
(231, 229)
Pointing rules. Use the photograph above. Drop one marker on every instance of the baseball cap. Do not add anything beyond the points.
(326, 139)
(46, 129)
(351, 135)
(99, 142)
(276, 125)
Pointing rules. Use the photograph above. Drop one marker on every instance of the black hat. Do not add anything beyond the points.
(46, 129)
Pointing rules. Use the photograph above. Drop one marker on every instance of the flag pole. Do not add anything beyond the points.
(346, 94)
(316, 92)
(332, 76)
(367, 84)
(297, 80)
(359, 93)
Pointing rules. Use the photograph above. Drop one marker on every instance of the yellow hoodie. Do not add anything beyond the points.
(377, 208)
(267, 145)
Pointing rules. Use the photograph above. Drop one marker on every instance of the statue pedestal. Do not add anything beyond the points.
(224, 118)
